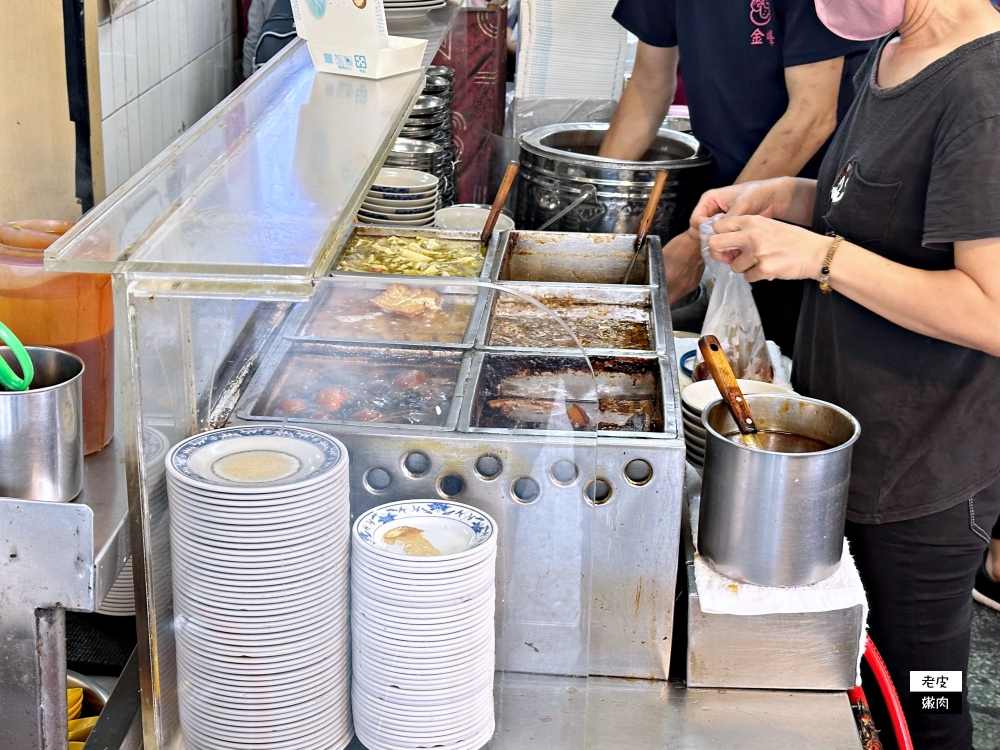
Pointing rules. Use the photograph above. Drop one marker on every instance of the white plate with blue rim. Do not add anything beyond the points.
(414, 200)
(425, 531)
(402, 181)
(253, 459)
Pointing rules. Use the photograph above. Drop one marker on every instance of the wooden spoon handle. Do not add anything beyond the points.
(491, 221)
(718, 364)
(646, 223)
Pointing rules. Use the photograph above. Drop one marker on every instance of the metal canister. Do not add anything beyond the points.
(565, 186)
(41, 429)
(776, 519)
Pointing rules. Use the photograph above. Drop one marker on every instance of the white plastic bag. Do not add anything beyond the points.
(732, 317)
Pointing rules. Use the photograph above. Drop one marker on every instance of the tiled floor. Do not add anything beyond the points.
(984, 678)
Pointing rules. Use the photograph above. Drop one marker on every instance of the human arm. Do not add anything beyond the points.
(809, 120)
(960, 305)
(789, 199)
(644, 103)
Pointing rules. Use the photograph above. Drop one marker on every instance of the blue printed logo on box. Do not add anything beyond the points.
(328, 58)
(344, 62)
(317, 8)
(361, 61)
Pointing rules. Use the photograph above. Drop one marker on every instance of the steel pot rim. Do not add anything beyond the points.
(532, 142)
(568, 182)
(751, 397)
(47, 388)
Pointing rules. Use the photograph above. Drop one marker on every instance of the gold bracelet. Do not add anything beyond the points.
(824, 279)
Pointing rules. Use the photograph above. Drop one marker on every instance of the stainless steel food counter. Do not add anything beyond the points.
(218, 249)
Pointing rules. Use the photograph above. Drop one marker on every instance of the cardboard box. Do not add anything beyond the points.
(350, 37)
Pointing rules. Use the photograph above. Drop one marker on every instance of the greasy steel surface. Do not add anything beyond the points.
(569, 257)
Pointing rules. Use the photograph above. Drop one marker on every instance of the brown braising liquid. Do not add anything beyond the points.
(784, 442)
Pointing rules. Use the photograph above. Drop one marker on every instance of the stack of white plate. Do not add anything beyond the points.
(410, 8)
(423, 598)
(401, 197)
(259, 537)
(120, 599)
(570, 49)
(696, 397)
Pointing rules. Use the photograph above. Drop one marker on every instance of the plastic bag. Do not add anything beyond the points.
(732, 317)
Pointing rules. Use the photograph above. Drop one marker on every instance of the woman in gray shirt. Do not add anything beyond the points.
(904, 231)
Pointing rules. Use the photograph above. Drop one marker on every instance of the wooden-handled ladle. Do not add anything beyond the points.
(505, 186)
(722, 373)
(646, 223)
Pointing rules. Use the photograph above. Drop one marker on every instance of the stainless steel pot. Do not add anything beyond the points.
(565, 186)
(41, 429)
(776, 519)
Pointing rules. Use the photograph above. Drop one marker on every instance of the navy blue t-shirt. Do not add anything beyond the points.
(733, 57)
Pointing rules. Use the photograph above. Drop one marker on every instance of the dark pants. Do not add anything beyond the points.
(919, 576)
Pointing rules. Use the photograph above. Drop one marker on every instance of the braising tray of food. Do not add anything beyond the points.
(369, 311)
(332, 383)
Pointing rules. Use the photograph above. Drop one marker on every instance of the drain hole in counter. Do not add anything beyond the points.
(564, 472)
(450, 486)
(598, 491)
(488, 467)
(525, 490)
(638, 471)
(416, 464)
(377, 480)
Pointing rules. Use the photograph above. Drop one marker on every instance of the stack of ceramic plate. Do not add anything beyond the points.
(423, 598)
(260, 546)
(423, 156)
(410, 8)
(120, 599)
(696, 397)
(401, 197)
(430, 120)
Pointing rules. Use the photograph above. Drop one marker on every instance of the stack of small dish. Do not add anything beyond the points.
(401, 197)
(259, 536)
(695, 398)
(430, 120)
(120, 599)
(423, 599)
(411, 8)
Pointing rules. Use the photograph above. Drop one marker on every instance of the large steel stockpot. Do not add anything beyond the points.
(565, 186)
(776, 519)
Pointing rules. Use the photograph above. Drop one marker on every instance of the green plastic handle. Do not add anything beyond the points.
(8, 379)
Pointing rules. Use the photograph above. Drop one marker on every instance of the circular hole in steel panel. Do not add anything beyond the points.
(638, 471)
(416, 464)
(488, 466)
(525, 490)
(564, 472)
(450, 485)
(377, 480)
(598, 491)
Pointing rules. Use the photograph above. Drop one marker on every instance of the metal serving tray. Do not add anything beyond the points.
(348, 301)
(526, 375)
(572, 258)
(496, 241)
(637, 303)
(300, 370)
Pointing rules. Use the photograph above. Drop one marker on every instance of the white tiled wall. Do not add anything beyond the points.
(163, 64)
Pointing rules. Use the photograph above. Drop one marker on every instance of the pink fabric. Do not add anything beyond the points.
(861, 19)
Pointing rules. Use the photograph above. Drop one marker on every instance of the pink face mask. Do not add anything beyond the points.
(861, 20)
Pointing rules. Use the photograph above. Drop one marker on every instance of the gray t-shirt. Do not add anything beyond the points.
(912, 169)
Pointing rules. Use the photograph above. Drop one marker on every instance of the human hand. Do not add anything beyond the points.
(764, 198)
(683, 264)
(762, 248)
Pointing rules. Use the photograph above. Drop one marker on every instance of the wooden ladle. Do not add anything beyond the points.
(722, 373)
(646, 222)
(505, 185)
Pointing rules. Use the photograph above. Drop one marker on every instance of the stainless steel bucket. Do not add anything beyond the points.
(41, 429)
(564, 186)
(776, 519)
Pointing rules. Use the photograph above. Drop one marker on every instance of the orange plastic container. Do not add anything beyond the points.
(69, 311)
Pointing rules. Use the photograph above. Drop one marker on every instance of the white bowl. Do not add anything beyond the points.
(247, 460)
(700, 394)
(467, 216)
(400, 223)
(398, 181)
(456, 529)
(396, 217)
